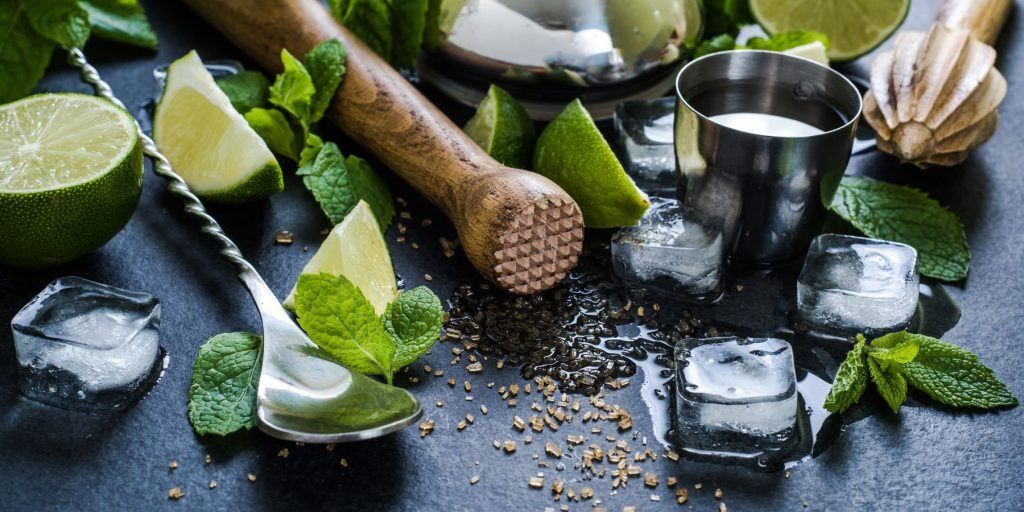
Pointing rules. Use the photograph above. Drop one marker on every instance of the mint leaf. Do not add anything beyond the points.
(326, 66)
(293, 89)
(726, 16)
(328, 180)
(903, 214)
(61, 21)
(408, 22)
(898, 347)
(369, 187)
(121, 21)
(222, 396)
(954, 376)
(413, 321)
(889, 382)
(719, 43)
(339, 319)
(786, 40)
(432, 30)
(24, 53)
(370, 20)
(274, 129)
(246, 90)
(851, 379)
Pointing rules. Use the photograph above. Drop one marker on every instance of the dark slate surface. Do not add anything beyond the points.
(52, 459)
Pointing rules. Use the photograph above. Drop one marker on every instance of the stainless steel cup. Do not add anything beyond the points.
(766, 192)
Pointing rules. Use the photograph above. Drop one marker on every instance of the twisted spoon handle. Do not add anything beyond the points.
(162, 167)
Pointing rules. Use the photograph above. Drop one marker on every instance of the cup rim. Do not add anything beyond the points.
(770, 54)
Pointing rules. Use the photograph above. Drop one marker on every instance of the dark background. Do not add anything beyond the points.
(53, 459)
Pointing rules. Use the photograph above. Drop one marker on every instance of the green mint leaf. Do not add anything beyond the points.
(246, 90)
(326, 66)
(309, 153)
(24, 53)
(726, 16)
(432, 30)
(851, 379)
(339, 319)
(274, 128)
(222, 396)
(889, 382)
(413, 321)
(61, 21)
(121, 21)
(903, 214)
(328, 179)
(898, 347)
(369, 187)
(954, 376)
(408, 22)
(293, 89)
(370, 20)
(719, 43)
(786, 40)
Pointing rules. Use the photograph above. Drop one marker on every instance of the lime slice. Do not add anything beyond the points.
(207, 142)
(356, 250)
(70, 177)
(573, 153)
(814, 51)
(853, 27)
(503, 128)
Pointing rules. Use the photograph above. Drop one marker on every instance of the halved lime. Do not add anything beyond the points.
(355, 249)
(503, 129)
(853, 27)
(70, 177)
(572, 152)
(207, 142)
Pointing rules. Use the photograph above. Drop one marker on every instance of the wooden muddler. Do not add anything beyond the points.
(519, 229)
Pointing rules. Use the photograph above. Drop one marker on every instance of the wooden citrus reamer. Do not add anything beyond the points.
(933, 98)
(519, 229)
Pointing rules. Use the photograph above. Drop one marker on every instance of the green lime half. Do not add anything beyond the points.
(572, 152)
(207, 142)
(503, 128)
(70, 177)
(853, 27)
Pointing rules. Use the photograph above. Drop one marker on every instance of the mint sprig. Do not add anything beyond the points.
(339, 319)
(393, 29)
(222, 396)
(30, 30)
(904, 214)
(285, 115)
(947, 373)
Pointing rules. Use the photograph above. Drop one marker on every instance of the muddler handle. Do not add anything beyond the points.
(519, 229)
(983, 18)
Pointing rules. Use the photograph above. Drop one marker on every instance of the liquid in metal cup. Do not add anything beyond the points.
(762, 140)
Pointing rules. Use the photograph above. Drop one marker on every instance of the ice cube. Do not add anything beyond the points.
(644, 134)
(671, 251)
(86, 345)
(735, 397)
(851, 285)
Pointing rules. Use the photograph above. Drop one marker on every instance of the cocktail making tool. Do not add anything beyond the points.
(933, 98)
(300, 397)
(519, 229)
(762, 140)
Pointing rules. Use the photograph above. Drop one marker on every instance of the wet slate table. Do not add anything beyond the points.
(52, 459)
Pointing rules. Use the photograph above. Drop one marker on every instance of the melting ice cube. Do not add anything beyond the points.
(644, 133)
(736, 397)
(854, 285)
(670, 251)
(86, 345)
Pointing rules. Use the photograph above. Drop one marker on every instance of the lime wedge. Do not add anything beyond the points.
(207, 142)
(355, 249)
(572, 152)
(70, 177)
(853, 27)
(503, 129)
(814, 51)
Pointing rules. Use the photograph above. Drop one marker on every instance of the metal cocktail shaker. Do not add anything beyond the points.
(765, 190)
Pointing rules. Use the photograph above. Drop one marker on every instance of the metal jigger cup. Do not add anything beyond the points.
(766, 193)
